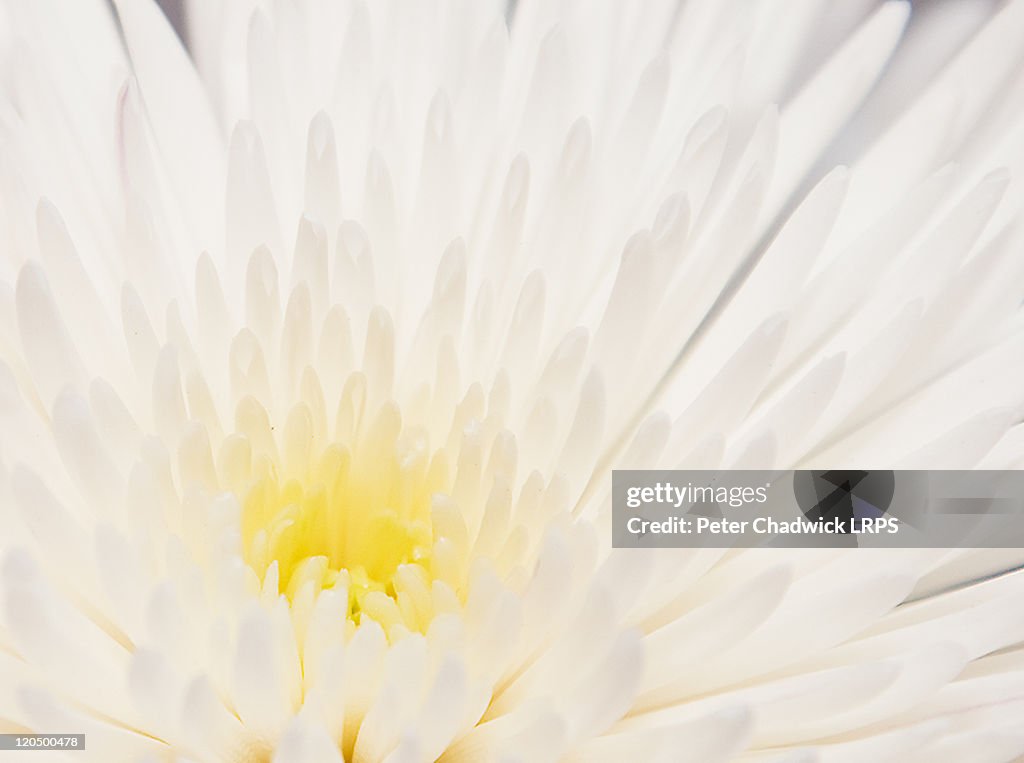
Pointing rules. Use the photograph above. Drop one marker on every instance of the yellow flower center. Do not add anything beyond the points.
(354, 518)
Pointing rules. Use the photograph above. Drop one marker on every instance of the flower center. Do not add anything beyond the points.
(352, 518)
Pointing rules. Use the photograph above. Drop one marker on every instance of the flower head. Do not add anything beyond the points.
(322, 339)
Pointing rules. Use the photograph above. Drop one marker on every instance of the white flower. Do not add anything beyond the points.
(316, 363)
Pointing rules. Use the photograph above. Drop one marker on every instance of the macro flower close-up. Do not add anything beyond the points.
(324, 324)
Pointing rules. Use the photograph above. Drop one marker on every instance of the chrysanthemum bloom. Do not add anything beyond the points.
(318, 352)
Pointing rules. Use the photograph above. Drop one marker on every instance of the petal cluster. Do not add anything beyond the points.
(320, 340)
